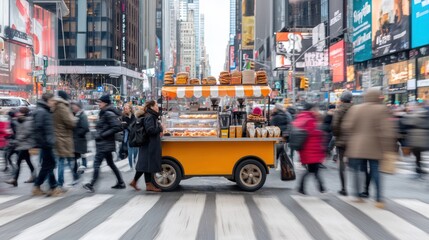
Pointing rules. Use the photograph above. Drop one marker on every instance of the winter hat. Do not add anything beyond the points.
(279, 107)
(77, 103)
(63, 95)
(346, 97)
(105, 99)
(257, 111)
(306, 106)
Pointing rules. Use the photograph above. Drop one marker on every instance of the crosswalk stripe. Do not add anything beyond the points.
(23, 208)
(282, 223)
(63, 218)
(183, 219)
(233, 219)
(415, 205)
(328, 217)
(397, 226)
(4, 199)
(123, 219)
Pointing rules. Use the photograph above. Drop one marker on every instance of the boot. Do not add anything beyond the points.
(56, 192)
(134, 185)
(379, 205)
(37, 191)
(151, 188)
(12, 182)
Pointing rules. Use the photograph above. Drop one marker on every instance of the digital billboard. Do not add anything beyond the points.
(362, 30)
(44, 33)
(401, 72)
(423, 68)
(248, 24)
(20, 25)
(336, 18)
(419, 22)
(4, 16)
(4, 61)
(286, 42)
(20, 64)
(336, 61)
(390, 26)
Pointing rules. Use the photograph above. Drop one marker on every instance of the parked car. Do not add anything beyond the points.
(8, 103)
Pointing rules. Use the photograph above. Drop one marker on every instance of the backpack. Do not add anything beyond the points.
(137, 136)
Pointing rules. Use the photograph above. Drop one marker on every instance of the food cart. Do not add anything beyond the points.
(213, 140)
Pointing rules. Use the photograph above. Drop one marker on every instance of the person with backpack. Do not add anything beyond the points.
(24, 142)
(149, 159)
(107, 126)
(79, 136)
(129, 118)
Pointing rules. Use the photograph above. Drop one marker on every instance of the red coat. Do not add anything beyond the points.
(313, 150)
(4, 133)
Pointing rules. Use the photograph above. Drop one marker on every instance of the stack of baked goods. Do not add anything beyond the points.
(168, 78)
(194, 81)
(204, 81)
(261, 77)
(248, 77)
(211, 80)
(236, 77)
(255, 118)
(225, 78)
(182, 78)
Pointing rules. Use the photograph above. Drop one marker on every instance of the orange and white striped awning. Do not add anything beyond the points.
(216, 91)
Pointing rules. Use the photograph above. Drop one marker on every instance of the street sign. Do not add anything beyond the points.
(100, 89)
(38, 73)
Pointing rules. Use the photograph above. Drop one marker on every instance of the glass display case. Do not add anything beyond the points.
(191, 124)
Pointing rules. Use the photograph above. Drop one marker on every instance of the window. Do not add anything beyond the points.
(9, 102)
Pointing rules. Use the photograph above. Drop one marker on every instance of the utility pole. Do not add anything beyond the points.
(44, 77)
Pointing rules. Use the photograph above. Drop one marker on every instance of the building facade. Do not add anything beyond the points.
(187, 45)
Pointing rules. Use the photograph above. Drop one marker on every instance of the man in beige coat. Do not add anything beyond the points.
(369, 132)
(64, 122)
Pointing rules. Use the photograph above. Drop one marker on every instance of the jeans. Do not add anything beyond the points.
(47, 169)
(132, 155)
(71, 162)
(342, 169)
(77, 156)
(23, 155)
(312, 168)
(374, 174)
(99, 157)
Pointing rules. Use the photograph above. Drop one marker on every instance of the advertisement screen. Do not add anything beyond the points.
(362, 30)
(316, 59)
(336, 17)
(350, 73)
(4, 61)
(44, 33)
(4, 16)
(248, 24)
(390, 26)
(20, 21)
(401, 72)
(285, 44)
(423, 68)
(231, 58)
(336, 61)
(20, 64)
(420, 22)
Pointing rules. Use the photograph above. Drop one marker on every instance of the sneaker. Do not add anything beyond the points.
(364, 195)
(379, 205)
(89, 187)
(119, 186)
(56, 192)
(37, 191)
(343, 192)
(81, 170)
(12, 182)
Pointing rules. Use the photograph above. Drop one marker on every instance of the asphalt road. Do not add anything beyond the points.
(214, 208)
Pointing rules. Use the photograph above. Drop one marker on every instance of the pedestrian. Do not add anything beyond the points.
(64, 123)
(9, 136)
(107, 126)
(24, 142)
(79, 136)
(312, 153)
(150, 154)
(369, 134)
(338, 118)
(127, 119)
(45, 140)
(327, 128)
(282, 119)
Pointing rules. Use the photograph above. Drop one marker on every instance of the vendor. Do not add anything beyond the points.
(257, 111)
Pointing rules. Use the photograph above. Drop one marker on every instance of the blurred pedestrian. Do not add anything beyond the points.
(79, 136)
(127, 119)
(312, 153)
(8, 130)
(150, 154)
(45, 140)
(24, 142)
(327, 128)
(64, 123)
(338, 118)
(282, 119)
(107, 125)
(370, 135)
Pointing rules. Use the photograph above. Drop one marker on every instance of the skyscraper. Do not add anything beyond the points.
(187, 45)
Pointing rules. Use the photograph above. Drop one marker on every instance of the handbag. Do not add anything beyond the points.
(287, 169)
(297, 138)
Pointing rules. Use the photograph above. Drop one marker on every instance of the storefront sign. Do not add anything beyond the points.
(390, 26)
(423, 83)
(420, 22)
(4, 17)
(411, 84)
(336, 61)
(400, 72)
(20, 22)
(336, 17)
(291, 43)
(362, 30)
(248, 24)
(124, 32)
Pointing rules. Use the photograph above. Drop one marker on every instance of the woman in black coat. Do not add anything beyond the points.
(79, 134)
(150, 153)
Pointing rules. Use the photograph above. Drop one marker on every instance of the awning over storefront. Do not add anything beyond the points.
(216, 91)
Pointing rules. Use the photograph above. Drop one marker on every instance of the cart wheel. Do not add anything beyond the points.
(169, 177)
(250, 175)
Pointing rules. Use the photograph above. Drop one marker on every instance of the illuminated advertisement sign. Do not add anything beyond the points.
(350, 73)
(423, 68)
(248, 24)
(4, 16)
(390, 26)
(286, 42)
(17, 60)
(420, 22)
(20, 25)
(401, 72)
(336, 61)
(44, 33)
(4, 61)
(124, 32)
(336, 17)
(362, 30)
(231, 58)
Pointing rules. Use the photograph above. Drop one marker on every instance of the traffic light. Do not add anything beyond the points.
(304, 84)
(118, 97)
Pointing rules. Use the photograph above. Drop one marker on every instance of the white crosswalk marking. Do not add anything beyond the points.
(4, 199)
(233, 219)
(183, 219)
(282, 223)
(123, 219)
(329, 218)
(63, 218)
(415, 205)
(16, 211)
(397, 226)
